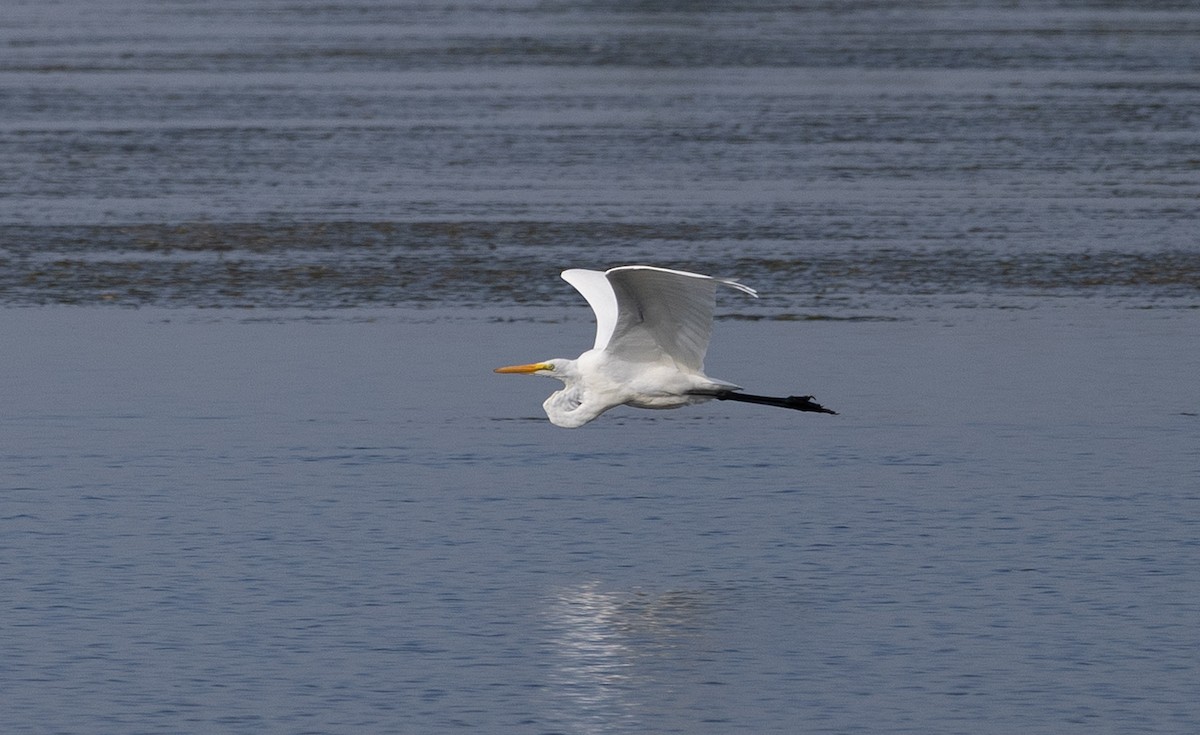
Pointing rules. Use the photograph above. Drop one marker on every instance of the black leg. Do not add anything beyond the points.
(798, 403)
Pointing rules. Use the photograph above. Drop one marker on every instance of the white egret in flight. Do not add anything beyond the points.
(652, 330)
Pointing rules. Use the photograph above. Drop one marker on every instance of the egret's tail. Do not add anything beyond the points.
(798, 403)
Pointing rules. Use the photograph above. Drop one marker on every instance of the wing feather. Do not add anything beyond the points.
(659, 310)
(599, 294)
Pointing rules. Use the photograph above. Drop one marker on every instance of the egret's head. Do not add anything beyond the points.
(549, 368)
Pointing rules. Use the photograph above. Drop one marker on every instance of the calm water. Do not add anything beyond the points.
(296, 526)
(286, 494)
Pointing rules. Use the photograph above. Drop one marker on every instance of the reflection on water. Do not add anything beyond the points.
(603, 643)
(997, 536)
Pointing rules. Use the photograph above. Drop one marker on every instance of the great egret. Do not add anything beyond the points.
(652, 330)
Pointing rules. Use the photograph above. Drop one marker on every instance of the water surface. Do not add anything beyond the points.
(258, 259)
(379, 153)
(286, 525)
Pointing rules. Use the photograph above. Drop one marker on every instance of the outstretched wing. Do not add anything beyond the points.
(659, 311)
(598, 291)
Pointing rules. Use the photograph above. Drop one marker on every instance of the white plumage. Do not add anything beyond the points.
(652, 331)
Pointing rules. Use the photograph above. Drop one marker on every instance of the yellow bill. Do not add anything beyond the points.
(532, 367)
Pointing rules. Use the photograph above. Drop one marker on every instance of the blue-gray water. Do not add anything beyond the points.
(286, 494)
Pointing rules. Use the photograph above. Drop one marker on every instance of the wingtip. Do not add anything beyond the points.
(739, 286)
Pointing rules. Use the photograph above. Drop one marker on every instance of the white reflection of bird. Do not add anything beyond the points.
(652, 330)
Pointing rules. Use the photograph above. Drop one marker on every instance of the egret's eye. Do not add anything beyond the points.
(548, 366)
